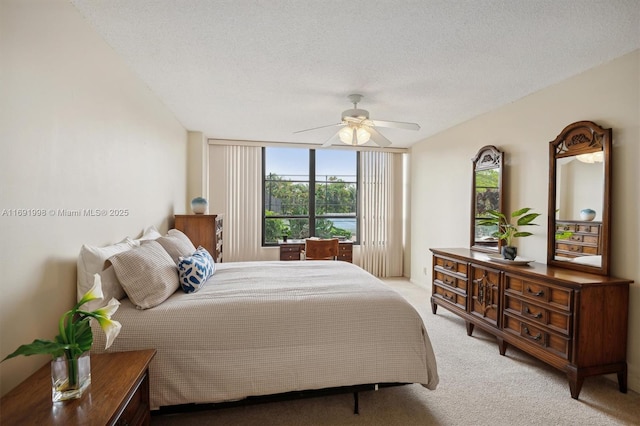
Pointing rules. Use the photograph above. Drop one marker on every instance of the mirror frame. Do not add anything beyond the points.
(488, 157)
(581, 137)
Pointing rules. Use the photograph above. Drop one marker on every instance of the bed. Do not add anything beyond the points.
(264, 328)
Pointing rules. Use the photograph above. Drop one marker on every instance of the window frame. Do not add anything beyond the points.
(312, 217)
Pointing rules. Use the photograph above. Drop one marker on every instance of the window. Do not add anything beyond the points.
(309, 193)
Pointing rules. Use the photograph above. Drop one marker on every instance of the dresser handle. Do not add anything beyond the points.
(538, 294)
(448, 280)
(449, 265)
(536, 337)
(449, 298)
(527, 311)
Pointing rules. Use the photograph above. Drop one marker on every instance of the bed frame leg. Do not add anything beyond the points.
(356, 409)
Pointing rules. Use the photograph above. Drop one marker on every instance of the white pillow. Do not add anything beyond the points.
(92, 261)
(177, 244)
(147, 274)
(150, 233)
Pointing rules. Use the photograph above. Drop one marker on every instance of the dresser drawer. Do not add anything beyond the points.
(591, 229)
(527, 331)
(577, 249)
(288, 249)
(558, 321)
(345, 252)
(583, 238)
(540, 293)
(449, 265)
(451, 280)
(569, 227)
(451, 296)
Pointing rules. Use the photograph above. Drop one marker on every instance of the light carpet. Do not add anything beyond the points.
(477, 387)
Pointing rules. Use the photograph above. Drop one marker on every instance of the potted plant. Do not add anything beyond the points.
(286, 231)
(506, 231)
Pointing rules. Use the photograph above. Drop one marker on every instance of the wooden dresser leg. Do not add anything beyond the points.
(469, 328)
(575, 381)
(502, 346)
(434, 307)
(622, 379)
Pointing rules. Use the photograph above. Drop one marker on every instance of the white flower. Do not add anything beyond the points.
(110, 327)
(94, 293)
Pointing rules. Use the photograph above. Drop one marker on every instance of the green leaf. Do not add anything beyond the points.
(520, 212)
(39, 347)
(522, 234)
(526, 220)
(84, 335)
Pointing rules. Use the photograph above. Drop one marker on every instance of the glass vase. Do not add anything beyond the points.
(70, 377)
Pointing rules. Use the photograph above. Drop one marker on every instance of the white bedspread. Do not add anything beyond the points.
(260, 328)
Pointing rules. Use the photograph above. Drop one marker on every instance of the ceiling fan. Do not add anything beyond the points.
(358, 128)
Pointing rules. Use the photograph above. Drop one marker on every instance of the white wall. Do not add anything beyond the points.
(441, 172)
(78, 130)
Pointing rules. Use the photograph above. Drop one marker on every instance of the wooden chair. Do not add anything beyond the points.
(319, 249)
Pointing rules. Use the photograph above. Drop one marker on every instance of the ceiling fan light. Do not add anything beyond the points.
(346, 135)
(363, 135)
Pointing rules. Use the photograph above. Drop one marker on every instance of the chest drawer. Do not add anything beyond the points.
(450, 295)
(540, 293)
(450, 266)
(451, 280)
(538, 314)
(530, 332)
(577, 248)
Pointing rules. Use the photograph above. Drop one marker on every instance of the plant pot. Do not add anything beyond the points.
(70, 377)
(509, 252)
(284, 238)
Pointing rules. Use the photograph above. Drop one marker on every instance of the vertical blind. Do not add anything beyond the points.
(381, 251)
(243, 183)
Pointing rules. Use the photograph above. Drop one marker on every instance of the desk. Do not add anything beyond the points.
(118, 394)
(291, 250)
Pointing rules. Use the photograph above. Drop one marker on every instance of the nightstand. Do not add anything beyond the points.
(118, 395)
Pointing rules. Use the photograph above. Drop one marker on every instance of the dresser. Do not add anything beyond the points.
(583, 238)
(573, 321)
(118, 395)
(203, 230)
(292, 249)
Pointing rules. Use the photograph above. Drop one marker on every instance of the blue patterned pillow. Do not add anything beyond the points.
(195, 270)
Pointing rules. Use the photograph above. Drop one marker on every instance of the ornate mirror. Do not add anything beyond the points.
(579, 226)
(486, 194)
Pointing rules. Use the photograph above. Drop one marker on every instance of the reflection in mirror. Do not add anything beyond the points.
(579, 210)
(579, 196)
(486, 193)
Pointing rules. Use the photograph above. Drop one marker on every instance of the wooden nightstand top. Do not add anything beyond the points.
(114, 378)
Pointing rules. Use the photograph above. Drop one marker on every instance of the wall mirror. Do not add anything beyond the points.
(486, 194)
(579, 226)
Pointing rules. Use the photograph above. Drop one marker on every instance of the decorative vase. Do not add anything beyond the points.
(70, 377)
(509, 252)
(587, 214)
(284, 238)
(199, 205)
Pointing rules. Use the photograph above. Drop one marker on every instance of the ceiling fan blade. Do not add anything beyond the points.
(321, 127)
(378, 138)
(330, 141)
(396, 124)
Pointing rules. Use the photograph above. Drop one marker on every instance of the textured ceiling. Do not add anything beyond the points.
(260, 70)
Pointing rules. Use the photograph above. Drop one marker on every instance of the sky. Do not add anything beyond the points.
(295, 161)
